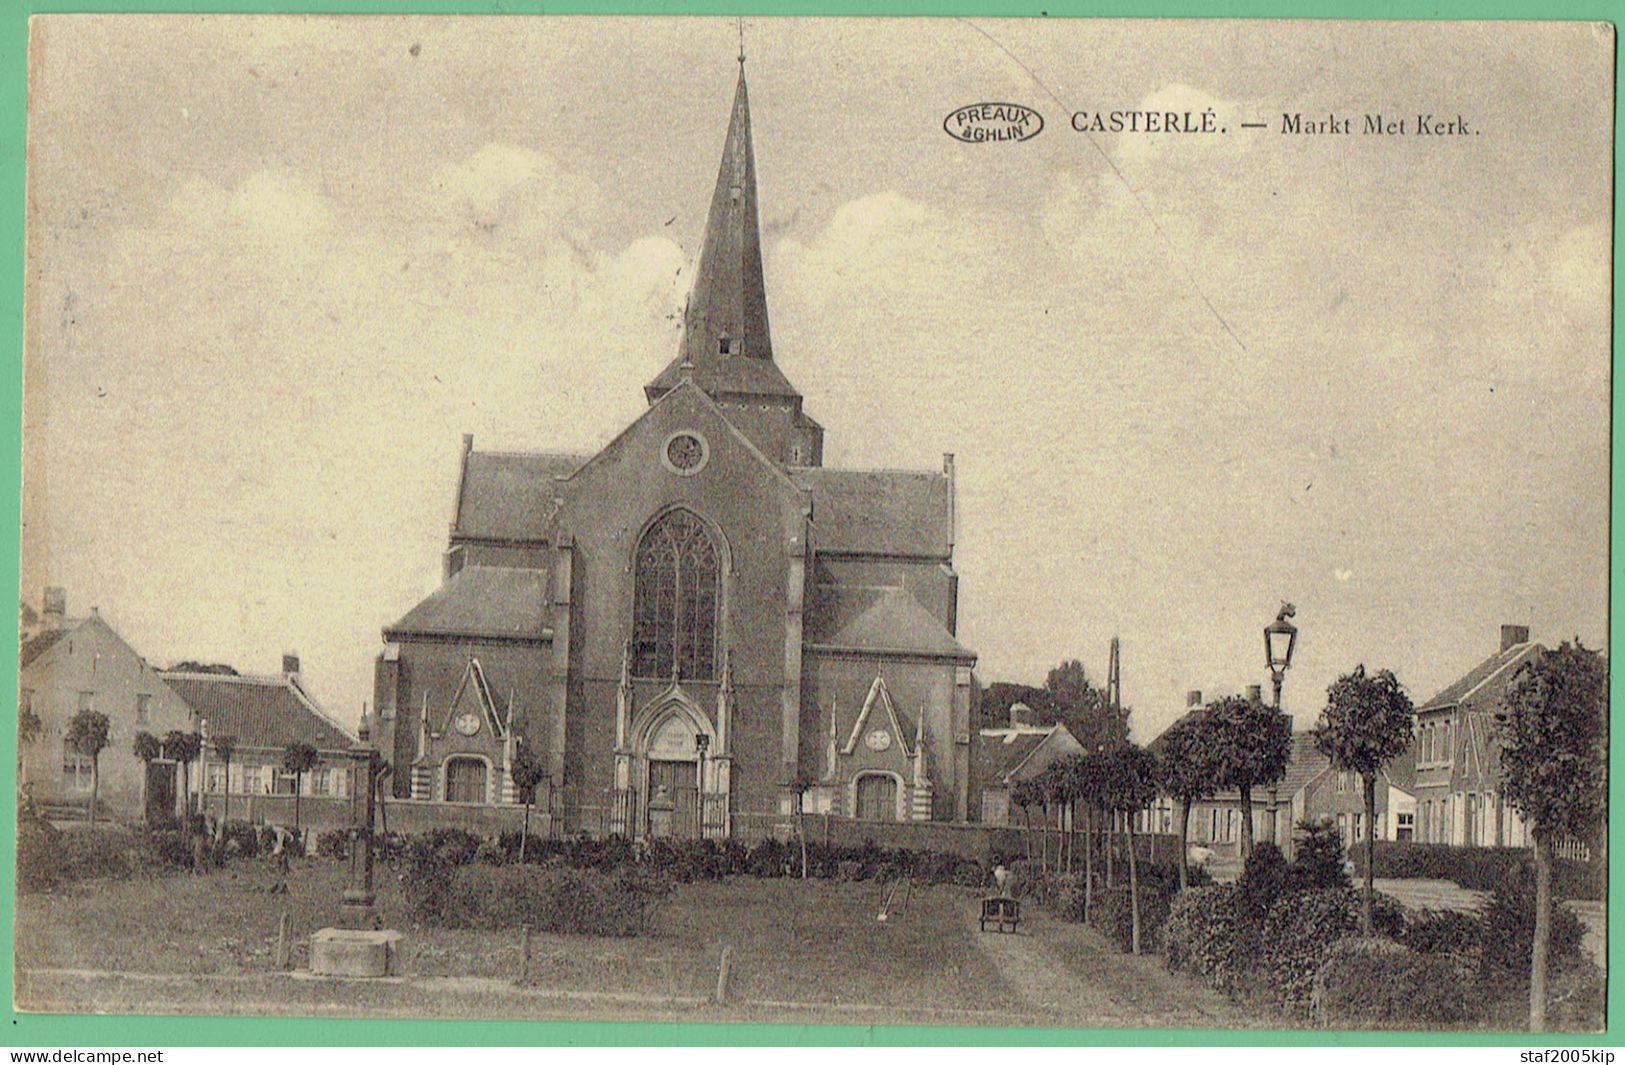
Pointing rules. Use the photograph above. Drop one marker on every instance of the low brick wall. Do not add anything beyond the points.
(321, 814)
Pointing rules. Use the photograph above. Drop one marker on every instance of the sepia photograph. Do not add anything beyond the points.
(1046, 523)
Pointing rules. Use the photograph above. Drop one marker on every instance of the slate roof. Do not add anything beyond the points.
(878, 619)
(878, 512)
(737, 374)
(508, 495)
(489, 601)
(1484, 684)
(263, 712)
(39, 644)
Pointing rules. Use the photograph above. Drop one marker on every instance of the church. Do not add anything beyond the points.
(700, 628)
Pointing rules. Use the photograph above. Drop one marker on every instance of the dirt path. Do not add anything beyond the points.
(1070, 975)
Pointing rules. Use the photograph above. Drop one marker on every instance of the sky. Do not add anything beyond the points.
(278, 266)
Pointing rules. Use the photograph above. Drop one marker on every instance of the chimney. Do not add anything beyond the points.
(1255, 693)
(54, 607)
(1193, 697)
(290, 666)
(1020, 714)
(1512, 635)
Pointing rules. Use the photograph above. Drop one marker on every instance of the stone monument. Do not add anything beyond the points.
(358, 946)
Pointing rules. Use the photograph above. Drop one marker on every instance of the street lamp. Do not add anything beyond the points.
(1280, 637)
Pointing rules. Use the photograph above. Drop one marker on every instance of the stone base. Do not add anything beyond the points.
(354, 952)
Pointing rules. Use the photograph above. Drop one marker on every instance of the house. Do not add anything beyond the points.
(680, 623)
(263, 715)
(1310, 790)
(1016, 752)
(71, 664)
(1459, 798)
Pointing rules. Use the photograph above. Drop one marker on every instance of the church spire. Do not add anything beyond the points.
(727, 314)
(725, 332)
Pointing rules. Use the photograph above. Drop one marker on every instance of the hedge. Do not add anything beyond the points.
(1377, 983)
(1482, 868)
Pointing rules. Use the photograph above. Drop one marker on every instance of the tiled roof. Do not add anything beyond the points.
(1401, 772)
(1305, 764)
(877, 619)
(878, 512)
(1485, 682)
(267, 712)
(509, 495)
(1001, 751)
(39, 644)
(487, 601)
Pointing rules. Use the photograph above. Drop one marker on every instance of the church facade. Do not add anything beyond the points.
(700, 626)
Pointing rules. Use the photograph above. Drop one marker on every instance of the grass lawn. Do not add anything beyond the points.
(812, 943)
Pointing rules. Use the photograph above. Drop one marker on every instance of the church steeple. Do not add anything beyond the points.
(726, 339)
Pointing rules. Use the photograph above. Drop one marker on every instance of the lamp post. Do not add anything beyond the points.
(356, 906)
(1280, 639)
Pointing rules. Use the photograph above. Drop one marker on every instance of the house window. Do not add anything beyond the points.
(143, 705)
(77, 769)
(465, 780)
(1404, 827)
(87, 701)
(252, 779)
(214, 778)
(284, 783)
(321, 781)
(674, 611)
(725, 346)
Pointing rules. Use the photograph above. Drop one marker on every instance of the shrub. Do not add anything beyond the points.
(94, 852)
(1318, 860)
(1377, 983)
(1442, 932)
(1113, 916)
(169, 847)
(454, 846)
(334, 843)
(1507, 925)
(239, 839)
(1203, 935)
(1264, 878)
(1298, 931)
(38, 850)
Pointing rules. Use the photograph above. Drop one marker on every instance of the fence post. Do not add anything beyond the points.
(282, 946)
(723, 968)
(524, 952)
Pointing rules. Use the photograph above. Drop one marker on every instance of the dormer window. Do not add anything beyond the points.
(725, 346)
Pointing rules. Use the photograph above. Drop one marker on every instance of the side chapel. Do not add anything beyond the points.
(701, 622)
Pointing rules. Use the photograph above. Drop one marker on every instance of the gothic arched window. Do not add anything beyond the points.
(674, 605)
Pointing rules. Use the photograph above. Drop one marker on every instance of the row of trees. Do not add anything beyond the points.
(1552, 733)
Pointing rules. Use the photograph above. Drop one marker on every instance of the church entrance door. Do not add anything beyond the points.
(877, 797)
(674, 794)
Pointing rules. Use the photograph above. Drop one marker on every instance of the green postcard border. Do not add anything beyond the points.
(127, 1031)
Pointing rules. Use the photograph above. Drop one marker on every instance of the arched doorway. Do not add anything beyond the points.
(876, 797)
(466, 778)
(673, 779)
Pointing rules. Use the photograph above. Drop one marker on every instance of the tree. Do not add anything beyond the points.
(1083, 709)
(1129, 774)
(1188, 773)
(1251, 744)
(146, 748)
(1025, 794)
(1366, 724)
(527, 771)
(299, 758)
(1554, 735)
(1081, 776)
(28, 725)
(184, 747)
(224, 746)
(88, 734)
